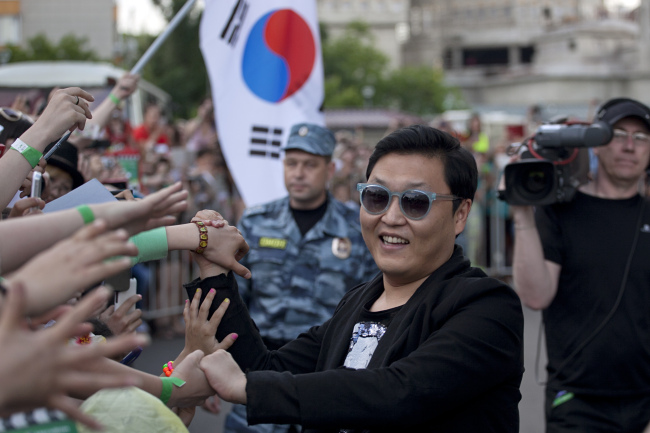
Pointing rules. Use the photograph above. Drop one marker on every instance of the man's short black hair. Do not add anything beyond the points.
(461, 173)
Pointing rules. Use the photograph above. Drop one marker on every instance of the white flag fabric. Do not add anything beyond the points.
(266, 72)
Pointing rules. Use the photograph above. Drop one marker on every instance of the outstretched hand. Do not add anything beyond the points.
(122, 320)
(40, 368)
(27, 206)
(74, 264)
(67, 110)
(227, 249)
(155, 210)
(225, 376)
(199, 331)
(196, 389)
(126, 85)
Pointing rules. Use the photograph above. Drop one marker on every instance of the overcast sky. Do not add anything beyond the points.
(138, 16)
(141, 16)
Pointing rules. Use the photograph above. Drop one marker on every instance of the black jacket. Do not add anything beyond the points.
(451, 360)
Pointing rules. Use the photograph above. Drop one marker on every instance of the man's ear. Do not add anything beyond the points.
(460, 217)
(331, 169)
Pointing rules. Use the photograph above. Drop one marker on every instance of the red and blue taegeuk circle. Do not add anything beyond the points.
(279, 55)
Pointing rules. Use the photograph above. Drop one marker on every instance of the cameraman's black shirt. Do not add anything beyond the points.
(591, 239)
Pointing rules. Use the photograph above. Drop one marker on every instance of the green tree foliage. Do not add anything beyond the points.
(353, 65)
(350, 62)
(177, 67)
(39, 47)
(415, 89)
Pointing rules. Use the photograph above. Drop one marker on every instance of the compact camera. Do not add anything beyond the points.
(554, 163)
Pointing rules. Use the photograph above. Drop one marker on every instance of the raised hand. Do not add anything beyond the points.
(122, 320)
(225, 376)
(41, 369)
(27, 206)
(126, 85)
(72, 265)
(196, 389)
(226, 250)
(199, 331)
(66, 111)
(155, 210)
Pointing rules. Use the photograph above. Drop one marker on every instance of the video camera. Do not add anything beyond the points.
(554, 163)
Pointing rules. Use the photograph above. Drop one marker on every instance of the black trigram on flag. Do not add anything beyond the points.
(265, 141)
(231, 31)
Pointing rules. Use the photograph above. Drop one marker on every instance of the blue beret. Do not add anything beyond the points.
(312, 139)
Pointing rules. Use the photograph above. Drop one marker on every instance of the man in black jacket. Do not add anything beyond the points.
(430, 344)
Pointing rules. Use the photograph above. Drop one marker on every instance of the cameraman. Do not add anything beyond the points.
(585, 263)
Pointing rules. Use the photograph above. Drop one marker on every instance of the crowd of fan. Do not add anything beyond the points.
(54, 310)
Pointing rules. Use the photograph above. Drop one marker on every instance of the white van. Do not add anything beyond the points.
(36, 79)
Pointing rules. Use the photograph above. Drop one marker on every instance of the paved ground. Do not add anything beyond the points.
(530, 408)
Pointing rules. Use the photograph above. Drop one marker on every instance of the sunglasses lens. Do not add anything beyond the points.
(415, 204)
(374, 199)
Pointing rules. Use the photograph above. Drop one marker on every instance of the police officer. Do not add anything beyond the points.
(306, 251)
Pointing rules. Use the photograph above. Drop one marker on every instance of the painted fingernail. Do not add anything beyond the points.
(226, 300)
(235, 336)
(212, 291)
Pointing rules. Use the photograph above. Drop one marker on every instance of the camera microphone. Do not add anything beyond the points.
(553, 136)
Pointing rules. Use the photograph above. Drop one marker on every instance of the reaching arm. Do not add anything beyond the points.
(535, 279)
(40, 368)
(61, 114)
(22, 238)
(124, 88)
(74, 264)
(438, 377)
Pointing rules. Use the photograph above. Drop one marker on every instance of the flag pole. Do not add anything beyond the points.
(145, 57)
(162, 36)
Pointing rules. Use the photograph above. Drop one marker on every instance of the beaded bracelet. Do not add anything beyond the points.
(168, 368)
(203, 237)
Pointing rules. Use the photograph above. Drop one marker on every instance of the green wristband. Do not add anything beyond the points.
(152, 245)
(114, 98)
(167, 387)
(86, 213)
(31, 155)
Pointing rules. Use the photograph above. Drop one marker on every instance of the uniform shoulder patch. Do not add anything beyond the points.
(277, 243)
(254, 210)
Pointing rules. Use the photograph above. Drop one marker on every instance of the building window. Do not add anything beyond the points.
(485, 56)
(402, 32)
(526, 54)
(9, 29)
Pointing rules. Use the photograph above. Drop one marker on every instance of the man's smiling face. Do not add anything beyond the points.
(407, 250)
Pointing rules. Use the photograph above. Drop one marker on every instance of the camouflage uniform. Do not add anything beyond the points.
(298, 281)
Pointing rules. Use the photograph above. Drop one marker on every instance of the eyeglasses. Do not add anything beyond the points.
(621, 136)
(11, 115)
(415, 204)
